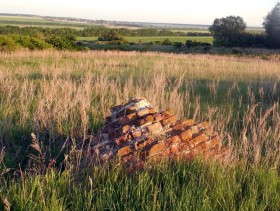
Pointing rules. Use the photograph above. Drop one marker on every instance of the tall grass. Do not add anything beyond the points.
(63, 97)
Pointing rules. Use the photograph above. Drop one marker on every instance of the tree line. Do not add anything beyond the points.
(230, 31)
(97, 31)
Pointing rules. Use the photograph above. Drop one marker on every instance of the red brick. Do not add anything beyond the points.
(121, 113)
(124, 151)
(136, 134)
(127, 119)
(143, 112)
(146, 120)
(157, 148)
(149, 118)
(122, 140)
(184, 147)
(203, 125)
(211, 143)
(168, 112)
(142, 143)
(188, 122)
(131, 109)
(179, 127)
(157, 117)
(199, 139)
(195, 129)
(186, 135)
(127, 158)
(156, 127)
(169, 121)
(125, 128)
(173, 140)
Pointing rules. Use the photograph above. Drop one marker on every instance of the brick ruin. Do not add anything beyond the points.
(136, 134)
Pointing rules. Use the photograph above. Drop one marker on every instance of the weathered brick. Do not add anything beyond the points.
(125, 128)
(203, 125)
(144, 121)
(124, 151)
(188, 122)
(185, 146)
(127, 119)
(131, 109)
(157, 148)
(142, 143)
(157, 117)
(173, 140)
(168, 112)
(163, 137)
(179, 127)
(186, 135)
(145, 112)
(195, 129)
(149, 118)
(199, 139)
(122, 140)
(136, 134)
(121, 113)
(169, 121)
(154, 128)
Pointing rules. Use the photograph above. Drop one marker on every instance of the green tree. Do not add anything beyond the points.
(272, 27)
(113, 37)
(167, 42)
(227, 31)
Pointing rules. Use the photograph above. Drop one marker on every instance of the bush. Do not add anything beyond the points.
(7, 44)
(32, 43)
(178, 44)
(62, 43)
(167, 42)
(113, 38)
(191, 44)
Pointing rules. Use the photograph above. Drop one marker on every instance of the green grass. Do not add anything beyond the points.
(177, 186)
(158, 38)
(65, 96)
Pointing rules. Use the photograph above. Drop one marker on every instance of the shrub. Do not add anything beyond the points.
(7, 44)
(62, 43)
(32, 43)
(167, 42)
(178, 44)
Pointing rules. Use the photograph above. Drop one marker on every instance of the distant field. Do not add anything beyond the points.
(38, 22)
(158, 38)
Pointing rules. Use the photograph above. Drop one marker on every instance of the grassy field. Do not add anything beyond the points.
(158, 38)
(62, 97)
(38, 22)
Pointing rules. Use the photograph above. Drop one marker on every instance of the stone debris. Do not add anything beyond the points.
(136, 133)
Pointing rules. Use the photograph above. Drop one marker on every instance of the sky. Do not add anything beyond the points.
(160, 11)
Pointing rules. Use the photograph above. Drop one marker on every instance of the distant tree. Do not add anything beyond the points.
(227, 31)
(112, 37)
(272, 27)
(167, 42)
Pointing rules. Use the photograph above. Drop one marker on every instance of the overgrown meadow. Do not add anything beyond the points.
(52, 104)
